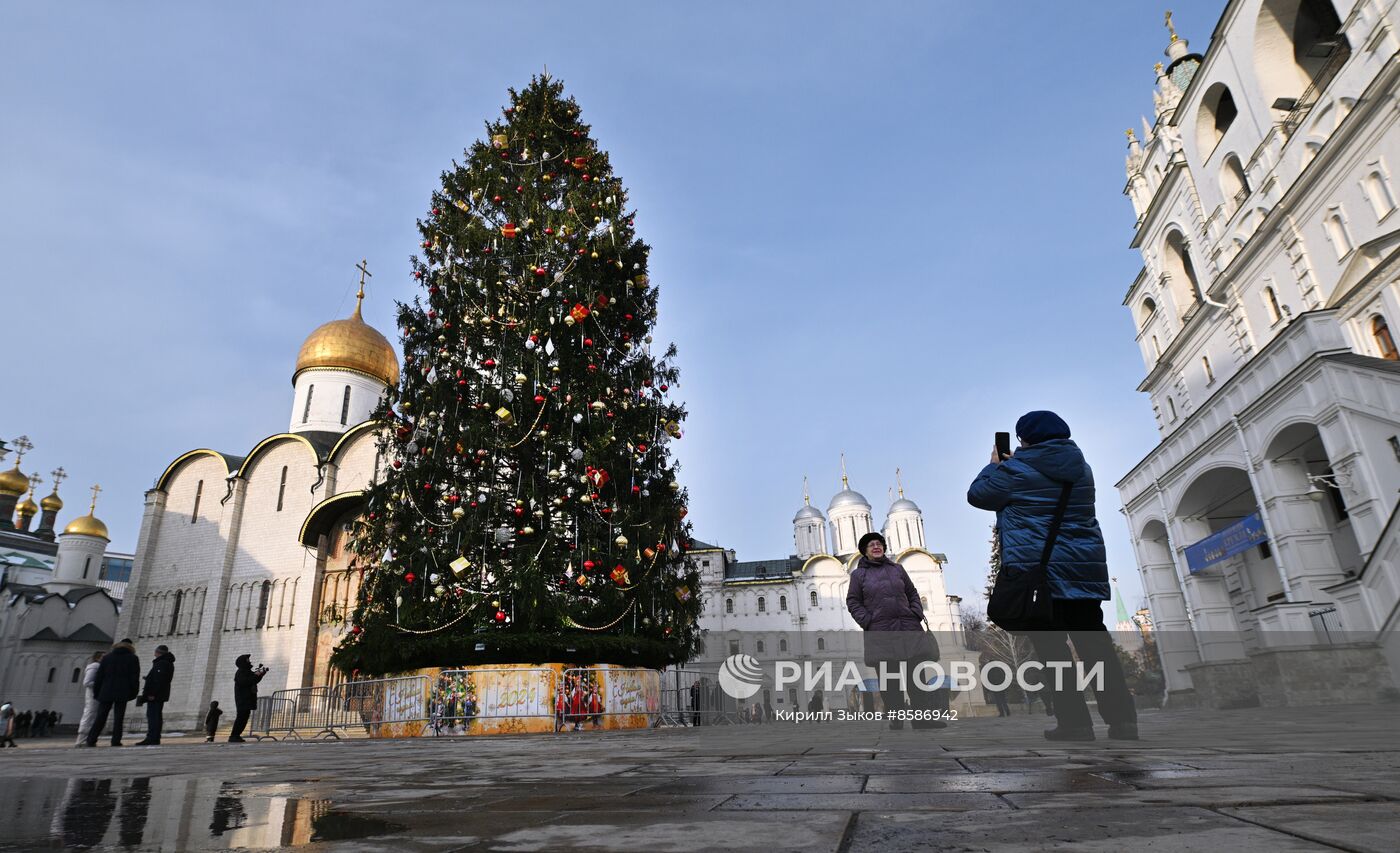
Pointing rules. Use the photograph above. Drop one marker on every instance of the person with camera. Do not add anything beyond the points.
(245, 694)
(1054, 563)
(884, 602)
(156, 693)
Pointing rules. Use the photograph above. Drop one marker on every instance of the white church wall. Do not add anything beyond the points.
(355, 462)
(327, 408)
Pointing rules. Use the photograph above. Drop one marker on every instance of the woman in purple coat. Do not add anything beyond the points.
(883, 601)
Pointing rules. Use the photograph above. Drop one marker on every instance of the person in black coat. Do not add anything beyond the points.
(118, 682)
(245, 694)
(157, 693)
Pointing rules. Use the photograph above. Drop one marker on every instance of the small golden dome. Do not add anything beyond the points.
(350, 344)
(52, 502)
(88, 525)
(27, 507)
(13, 482)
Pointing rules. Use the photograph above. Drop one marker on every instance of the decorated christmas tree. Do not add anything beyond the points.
(529, 511)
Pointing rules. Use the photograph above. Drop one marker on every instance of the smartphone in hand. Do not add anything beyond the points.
(1004, 445)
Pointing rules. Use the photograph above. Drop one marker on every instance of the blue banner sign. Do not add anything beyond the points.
(1224, 544)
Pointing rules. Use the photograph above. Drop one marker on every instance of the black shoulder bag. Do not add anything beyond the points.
(1021, 600)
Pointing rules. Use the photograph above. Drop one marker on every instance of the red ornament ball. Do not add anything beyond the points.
(500, 616)
(410, 577)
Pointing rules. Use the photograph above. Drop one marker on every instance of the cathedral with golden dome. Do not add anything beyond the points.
(60, 591)
(244, 552)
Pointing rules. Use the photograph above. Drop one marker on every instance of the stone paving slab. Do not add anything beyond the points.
(1207, 797)
(940, 802)
(999, 783)
(1238, 781)
(1360, 826)
(1089, 831)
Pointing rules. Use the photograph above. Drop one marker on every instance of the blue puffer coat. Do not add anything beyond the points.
(1023, 491)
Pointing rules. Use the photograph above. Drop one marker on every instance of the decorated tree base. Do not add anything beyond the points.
(516, 699)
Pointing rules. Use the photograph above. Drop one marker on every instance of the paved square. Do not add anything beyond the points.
(1282, 779)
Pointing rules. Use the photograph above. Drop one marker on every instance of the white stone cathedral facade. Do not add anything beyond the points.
(1265, 520)
(794, 608)
(245, 553)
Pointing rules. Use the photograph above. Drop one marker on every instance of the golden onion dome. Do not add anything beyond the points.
(350, 344)
(27, 507)
(88, 525)
(52, 502)
(13, 482)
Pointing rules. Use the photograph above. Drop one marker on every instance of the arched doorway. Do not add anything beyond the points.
(1225, 588)
(1302, 468)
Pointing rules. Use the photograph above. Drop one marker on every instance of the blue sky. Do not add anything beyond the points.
(887, 230)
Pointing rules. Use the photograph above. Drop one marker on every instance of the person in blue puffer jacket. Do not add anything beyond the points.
(1023, 490)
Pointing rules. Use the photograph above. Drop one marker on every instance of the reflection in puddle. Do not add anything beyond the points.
(166, 813)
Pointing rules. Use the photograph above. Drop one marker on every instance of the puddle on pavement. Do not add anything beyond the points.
(171, 813)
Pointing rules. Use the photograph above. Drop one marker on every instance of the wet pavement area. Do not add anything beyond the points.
(1278, 780)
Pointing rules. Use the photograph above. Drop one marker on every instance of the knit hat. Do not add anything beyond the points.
(868, 538)
(243, 659)
(1035, 427)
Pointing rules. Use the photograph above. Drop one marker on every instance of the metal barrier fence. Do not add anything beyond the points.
(583, 699)
(327, 712)
(459, 697)
(693, 698)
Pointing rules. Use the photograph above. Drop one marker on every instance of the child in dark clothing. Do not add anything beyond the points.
(211, 722)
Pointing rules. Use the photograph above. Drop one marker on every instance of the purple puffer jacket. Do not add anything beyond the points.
(883, 598)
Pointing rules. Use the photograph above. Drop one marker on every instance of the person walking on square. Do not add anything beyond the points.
(89, 698)
(211, 721)
(1044, 480)
(886, 604)
(7, 724)
(117, 682)
(245, 695)
(157, 693)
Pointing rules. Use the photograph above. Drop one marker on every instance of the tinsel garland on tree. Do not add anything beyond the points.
(529, 510)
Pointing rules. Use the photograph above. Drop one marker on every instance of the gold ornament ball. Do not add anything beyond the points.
(458, 512)
(620, 541)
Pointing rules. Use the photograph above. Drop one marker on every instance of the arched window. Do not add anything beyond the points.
(175, 611)
(1182, 273)
(1384, 341)
(1377, 190)
(53, 670)
(1271, 302)
(729, 605)
(782, 602)
(759, 647)
(1171, 410)
(1210, 373)
(87, 566)
(1156, 347)
(282, 489)
(762, 605)
(77, 673)
(813, 596)
(345, 406)
(1149, 307)
(1337, 232)
(1234, 182)
(306, 412)
(782, 645)
(264, 598)
(923, 599)
(1215, 116)
(821, 644)
(198, 493)
(1295, 45)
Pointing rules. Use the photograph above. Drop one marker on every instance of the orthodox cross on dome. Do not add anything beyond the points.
(34, 481)
(845, 481)
(363, 267)
(806, 495)
(93, 507)
(59, 475)
(22, 446)
(1171, 29)
(899, 482)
